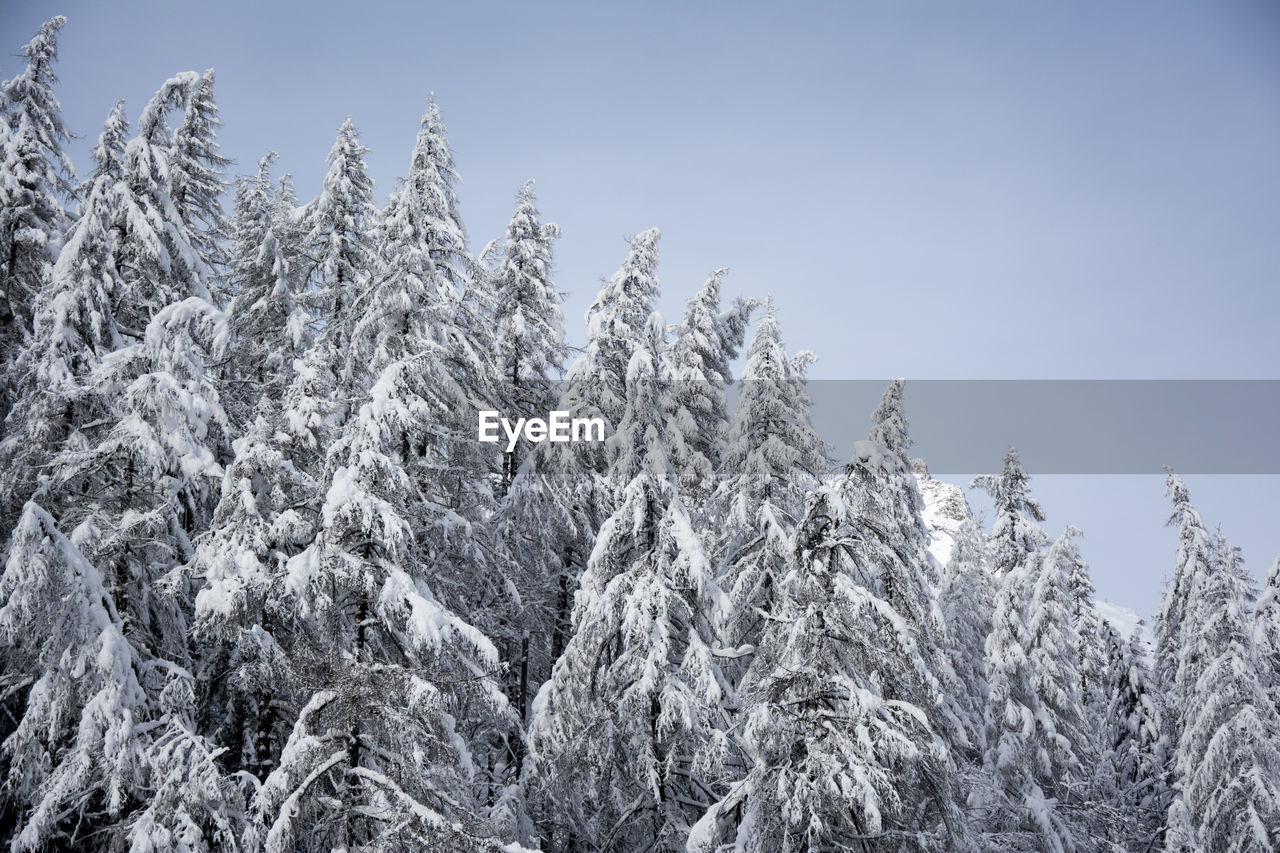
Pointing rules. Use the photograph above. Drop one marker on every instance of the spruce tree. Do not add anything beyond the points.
(705, 342)
(529, 326)
(376, 756)
(266, 316)
(1014, 531)
(1228, 758)
(967, 597)
(772, 460)
(1019, 812)
(196, 175)
(37, 184)
(75, 761)
(841, 757)
(1134, 740)
(1267, 632)
(341, 223)
(73, 330)
(615, 324)
(632, 719)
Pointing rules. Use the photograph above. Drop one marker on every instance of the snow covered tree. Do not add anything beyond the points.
(36, 184)
(1228, 756)
(615, 327)
(1018, 813)
(152, 469)
(376, 756)
(1091, 660)
(341, 222)
(841, 757)
(1014, 531)
(73, 330)
(967, 597)
(75, 762)
(772, 460)
(1134, 740)
(705, 342)
(629, 726)
(196, 174)
(154, 251)
(1267, 632)
(1053, 655)
(530, 327)
(1178, 665)
(245, 627)
(266, 315)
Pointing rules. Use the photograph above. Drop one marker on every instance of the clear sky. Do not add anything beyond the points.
(981, 190)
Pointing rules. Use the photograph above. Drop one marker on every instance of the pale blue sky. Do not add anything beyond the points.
(985, 190)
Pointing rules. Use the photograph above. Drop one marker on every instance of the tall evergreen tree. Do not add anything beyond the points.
(1134, 739)
(265, 315)
(841, 757)
(1087, 626)
(631, 721)
(1014, 531)
(1178, 664)
(196, 175)
(1228, 757)
(615, 324)
(154, 252)
(37, 184)
(530, 328)
(967, 597)
(73, 330)
(1267, 632)
(772, 460)
(705, 342)
(75, 762)
(375, 756)
(341, 222)
(1019, 814)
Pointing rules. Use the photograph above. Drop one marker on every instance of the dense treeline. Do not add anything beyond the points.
(263, 589)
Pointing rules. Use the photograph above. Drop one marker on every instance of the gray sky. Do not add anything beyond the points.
(987, 190)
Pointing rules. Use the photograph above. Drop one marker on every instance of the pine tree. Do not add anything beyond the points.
(1177, 663)
(1014, 532)
(626, 730)
(266, 316)
(840, 755)
(1134, 740)
(890, 554)
(376, 756)
(1086, 624)
(530, 328)
(1267, 632)
(772, 460)
(246, 630)
(1228, 758)
(154, 251)
(1053, 655)
(73, 330)
(615, 324)
(37, 183)
(75, 763)
(195, 174)
(1019, 814)
(152, 468)
(340, 225)
(705, 342)
(967, 597)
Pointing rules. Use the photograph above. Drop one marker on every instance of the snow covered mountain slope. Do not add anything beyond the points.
(945, 509)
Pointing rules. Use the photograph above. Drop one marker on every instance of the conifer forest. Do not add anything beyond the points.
(264, 590)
